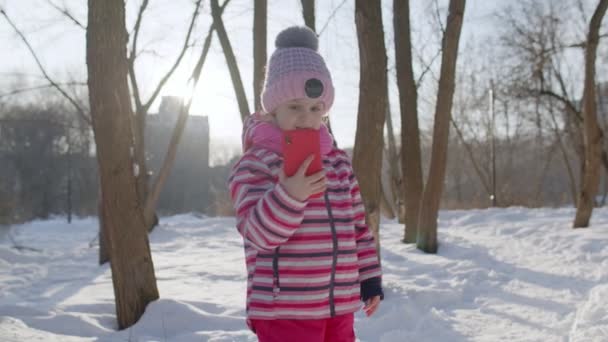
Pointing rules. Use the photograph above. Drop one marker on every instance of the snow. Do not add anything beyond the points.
(511, 274)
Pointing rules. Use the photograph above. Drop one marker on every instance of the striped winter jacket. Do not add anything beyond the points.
(305, 260)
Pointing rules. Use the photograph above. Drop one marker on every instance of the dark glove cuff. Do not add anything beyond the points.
(371, 287)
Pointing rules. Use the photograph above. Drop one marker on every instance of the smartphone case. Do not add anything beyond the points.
(297, 146)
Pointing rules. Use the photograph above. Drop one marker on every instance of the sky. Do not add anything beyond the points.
(502, 274)
(61, 47)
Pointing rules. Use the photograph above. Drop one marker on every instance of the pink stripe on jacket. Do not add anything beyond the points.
(305, 260)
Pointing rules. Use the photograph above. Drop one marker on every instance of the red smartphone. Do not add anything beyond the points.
(298, 144)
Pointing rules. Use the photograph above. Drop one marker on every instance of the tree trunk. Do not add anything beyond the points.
(411, 162)
(308, 12)
(142, 175)
(593, 134)
(233, 67)
(260, 10)
(429, 210)
(394, 171)
(386, 207)
(131, 263)
(367, 154)
(104, 244)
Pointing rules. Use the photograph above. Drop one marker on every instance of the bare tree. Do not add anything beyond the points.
(180, 125)
(411, 162)
(148, 197)
(233, 67)
(367, 154)
(429, 209)
(142, 107)
(593, 134)
(138, 121)
(538, 74)
(474, 119)
(132, 269)
(260, 9)
(535, 36)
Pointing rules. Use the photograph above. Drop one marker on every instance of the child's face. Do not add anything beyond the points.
(299, 113)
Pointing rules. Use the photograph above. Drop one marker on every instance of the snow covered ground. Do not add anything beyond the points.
(500, 275)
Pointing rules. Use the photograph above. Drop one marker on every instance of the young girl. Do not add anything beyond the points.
(310, 260)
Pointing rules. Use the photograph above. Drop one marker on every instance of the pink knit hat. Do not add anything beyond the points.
(296, 70)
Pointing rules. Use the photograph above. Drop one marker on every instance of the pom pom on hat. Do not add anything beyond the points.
(297, 36)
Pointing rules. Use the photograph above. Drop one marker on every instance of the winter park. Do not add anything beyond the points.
(301, 170)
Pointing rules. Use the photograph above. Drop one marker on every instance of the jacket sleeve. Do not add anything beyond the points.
(267, 215)
(369, 265)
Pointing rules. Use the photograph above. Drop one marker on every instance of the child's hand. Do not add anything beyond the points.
(300, 186)
(371, 305)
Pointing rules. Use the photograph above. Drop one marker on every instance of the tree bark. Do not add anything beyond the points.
(260, 10)
(233, 67)
(367, 154)
(429, 210)
(139, 142)
(131, 263)
(593, 134)
(308, 12)
(394, 168)
(386, 207)
(104, 243)
(411, 162)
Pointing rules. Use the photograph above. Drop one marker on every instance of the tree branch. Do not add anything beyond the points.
(67, 13)
(164, 80)
(54, 84)
(196, 73)
(569, 105)
(133, 55)
(24, 90)
(331, 16)
(438, 17)
(427, 68)
(471, 154)
(231, 62)
(152, 199)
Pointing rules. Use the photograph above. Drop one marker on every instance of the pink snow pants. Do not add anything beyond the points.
(336, 329)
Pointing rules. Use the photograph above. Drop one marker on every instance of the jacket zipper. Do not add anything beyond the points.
(334, 237)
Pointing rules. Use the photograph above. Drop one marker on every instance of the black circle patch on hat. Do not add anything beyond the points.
(313, 88)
